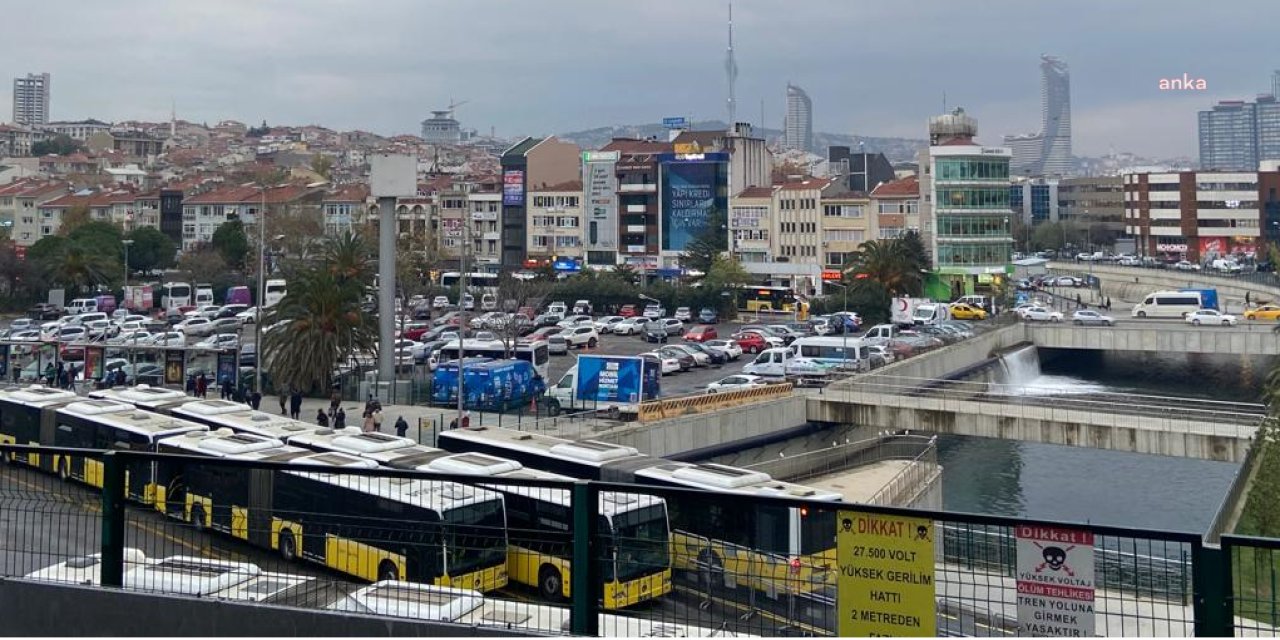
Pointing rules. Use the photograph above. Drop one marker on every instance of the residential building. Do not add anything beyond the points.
(965, 217)
(896, 207)
(114, 206)
(133, 144)
(146, 211)
(1229, 136)
(202, 214)
(638, 207)
(693, 194)
(861, 171)
(556, 226)
(752, 220)
(532, 163)
(484, 200)
(1267, 111)
(1055, 107)
(172, 215)
(1275, 83)
(31, 100)
(78, 129)
(20, 207)
(798, 129)
(1200, 215)
(800, 217)
(1097, 202)
(345, 209)
(847, 222)
(15, 140)
(750, 160)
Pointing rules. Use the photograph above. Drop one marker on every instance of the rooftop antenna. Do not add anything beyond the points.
(944, 101)
(731, 69)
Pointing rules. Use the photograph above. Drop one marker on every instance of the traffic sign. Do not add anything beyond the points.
(886, 582)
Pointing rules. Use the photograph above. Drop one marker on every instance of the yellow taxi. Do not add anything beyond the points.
(961, 311)
(1264, 312)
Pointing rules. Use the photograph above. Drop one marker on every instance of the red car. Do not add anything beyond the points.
(628, 311)
(415, 331)
(701, 333)
(751, 342)
(527, 312)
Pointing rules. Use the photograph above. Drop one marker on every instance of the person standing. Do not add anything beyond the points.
(322, 418)
(402, 427)
(255, 399)
(295, 404)
(368, 425)
(340, 419)
(1246, 299)
(377, 418)
(334, 400)
(202, 386)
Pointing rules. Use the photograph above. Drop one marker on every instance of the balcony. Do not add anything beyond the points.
(484, 216)
(634, 248)
(637, 208)
(637, 188)
(635, 228)
(490, 235)
(751, 245)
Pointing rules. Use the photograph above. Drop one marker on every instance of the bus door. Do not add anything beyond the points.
(261, 494)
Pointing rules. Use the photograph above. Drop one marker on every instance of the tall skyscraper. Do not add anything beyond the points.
(799, 125)
(1055, 107)
(31, 100)
(1027, 151)
(1275, 83)
(1229, 136)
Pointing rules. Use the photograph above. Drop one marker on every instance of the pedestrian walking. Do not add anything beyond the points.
(335, 399)
(367, 425)
(202, 386)
(295, 404)
(226, 388)
(1108, 303)
(1079, 302)
(322, 418)
(61, 374)
(402, 427)
(340, 419)
(255, 399)
(377, 419)
(1246, 299)
(71, 377)
(284, 401)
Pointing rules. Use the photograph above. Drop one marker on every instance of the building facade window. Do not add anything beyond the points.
(972, 169)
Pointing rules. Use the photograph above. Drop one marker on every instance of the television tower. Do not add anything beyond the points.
(731, 70)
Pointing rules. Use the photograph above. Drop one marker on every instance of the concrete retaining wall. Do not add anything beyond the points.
(1130, 284)
(1163, 338)
(42, 609)
(674, 437)
(940, 363)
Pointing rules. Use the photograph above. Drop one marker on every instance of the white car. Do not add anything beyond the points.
(654, 311)
(175, 338)
(248, 316)
(101, 329)
(606, 324)
(219, 342)
(1130, 261)
(557, 345)
(194, 326)
(669, 364)
(630, 326)
(1041, 314)
(683, 314)
(730, 348)
(1089, 316)
(417, 349)
(736, 383)
(583, 336)
(700, 359)
(137, 337)
(1184, 265)
(1210, 316)
(439, 302)
(580, 320)
(482, 321)
(883, 351)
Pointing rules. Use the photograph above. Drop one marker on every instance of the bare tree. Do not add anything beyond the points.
(514, 293)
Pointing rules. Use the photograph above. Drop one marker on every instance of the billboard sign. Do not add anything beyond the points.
(677, 122)
(175, 365)
(694, 196)
(1055, 582)
(600, 180)
(886, 582)
(610, 379)
(513, 187)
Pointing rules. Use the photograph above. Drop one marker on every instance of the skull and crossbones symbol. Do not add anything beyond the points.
(1055, 558)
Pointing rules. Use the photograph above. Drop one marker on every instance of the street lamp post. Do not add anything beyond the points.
(262, 292)
(125, 300)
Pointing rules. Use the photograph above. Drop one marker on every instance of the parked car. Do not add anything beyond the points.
(143, 373)
(1210, 316)
(701, 333)
(440, 302)
(736, 383)
(683, 314)
(45, 311)
(582, 307)
(962, 311)
(584, 336)
(654, 311)
(223, 325)
(577, 321)
(654, 331)
(606, 323)
(544, 333)
(1183, 265)
(751, 341)
(730, 348)
(628, 311)
(715, 357)
(708, 316)
(685, 359)
(668, 363)
(248, 316)
(1089, 316)
(557, 345)
(700, 359)
(219, 342)
(630, 326)
(672, 326)
(195, 326)
(248, 354)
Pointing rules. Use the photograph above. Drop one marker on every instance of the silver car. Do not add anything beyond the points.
(1089, 316)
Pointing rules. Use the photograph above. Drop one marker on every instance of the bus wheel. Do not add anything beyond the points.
(287, 549)
(550, 583)
(197, 517)
(387, 571)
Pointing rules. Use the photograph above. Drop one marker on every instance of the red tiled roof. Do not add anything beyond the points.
(756, 192)
(44, 188)
(906, 187)
(348, 193)
(636, 146)
(224, 195)
(810, 183)
(69, 200)
(571, 185)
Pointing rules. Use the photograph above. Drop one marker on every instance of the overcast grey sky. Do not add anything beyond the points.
(545, 66)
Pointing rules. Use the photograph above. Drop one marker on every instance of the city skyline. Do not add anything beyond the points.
(293, 63)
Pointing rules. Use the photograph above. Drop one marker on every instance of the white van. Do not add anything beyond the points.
(204, 295)
(1226, 265)
(781, 362)
(1167, 304)
(488, 302)
(930, 313)
(82, 305)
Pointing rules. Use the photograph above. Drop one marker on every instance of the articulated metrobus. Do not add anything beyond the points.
(756, 554)
(373, 528)
(144, 396)
(539, 519)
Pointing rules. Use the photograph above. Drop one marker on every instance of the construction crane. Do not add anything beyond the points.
(454, 105)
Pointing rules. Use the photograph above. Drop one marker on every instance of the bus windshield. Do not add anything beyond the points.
(640, 539)
(475, 537)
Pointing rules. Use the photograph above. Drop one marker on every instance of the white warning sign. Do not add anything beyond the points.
(1055, 582)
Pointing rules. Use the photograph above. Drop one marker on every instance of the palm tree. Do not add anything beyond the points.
(319, 322)
(78, 269)
(889, 263)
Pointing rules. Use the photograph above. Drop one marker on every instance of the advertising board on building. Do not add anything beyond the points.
(600, 181)
(676, 122)
(513, 187)
(609, 379)
(1055, 582)
(694, 193)
(886, 584)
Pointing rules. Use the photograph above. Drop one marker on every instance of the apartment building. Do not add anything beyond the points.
(484, 202)
(896, 207)
(751, 221)
(202, 214)
(1202, 215)
(78, 129)
(345, 209)
(20, 207)
(799, 237)
(638, 206)
(847, 222)
(556, 229)
(15, 140)
(532, 163)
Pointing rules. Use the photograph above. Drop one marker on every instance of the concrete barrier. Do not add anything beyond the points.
(674, 437)
(704, 402)
(1131, 284)
(948, 360)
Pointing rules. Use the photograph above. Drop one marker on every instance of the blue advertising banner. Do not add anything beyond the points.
(677, 122)
(609, 379)
(694, 189)
(513, 187)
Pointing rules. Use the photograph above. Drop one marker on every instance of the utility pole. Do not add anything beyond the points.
(125, 303)
(462, 309)
(262, 291)
(390, 177)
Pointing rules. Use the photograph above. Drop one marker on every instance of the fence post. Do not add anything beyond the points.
(113, 496)
(1211, 597)
(584, 581)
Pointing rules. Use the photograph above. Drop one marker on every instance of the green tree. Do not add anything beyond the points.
(889, 263)
(625, 273)
(46, 250)
(230, 242)
(322, 165)
(319, 322)
(61, 145)
(913, 248)
(99, 237)
(200, 264)
(79, 269)
(73, 218)
(704, 248)
(151, 249)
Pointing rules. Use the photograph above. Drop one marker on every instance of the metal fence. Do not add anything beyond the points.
(654, 561)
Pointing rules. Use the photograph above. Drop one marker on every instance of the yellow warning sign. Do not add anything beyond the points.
(886, 583)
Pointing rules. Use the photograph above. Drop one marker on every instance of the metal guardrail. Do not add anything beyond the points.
(664, 408)
(848, 455)
(1235, 493)
(725, 580)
